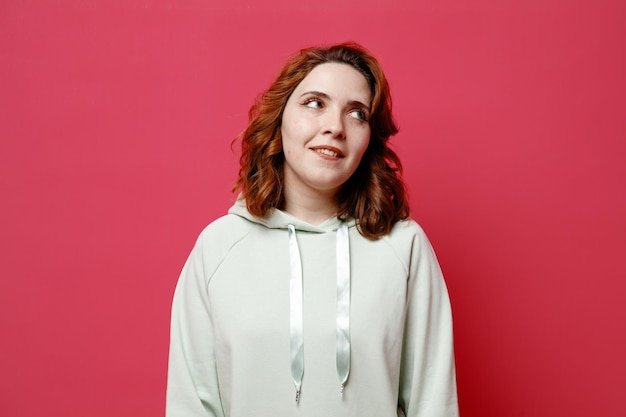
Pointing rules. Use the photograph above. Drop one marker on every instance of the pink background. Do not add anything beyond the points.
(116, 119)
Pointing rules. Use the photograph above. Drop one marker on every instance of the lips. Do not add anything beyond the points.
(328, 151)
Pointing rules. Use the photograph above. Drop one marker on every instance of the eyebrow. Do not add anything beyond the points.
(327, 97)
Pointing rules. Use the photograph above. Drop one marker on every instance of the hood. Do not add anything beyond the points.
(278, 219)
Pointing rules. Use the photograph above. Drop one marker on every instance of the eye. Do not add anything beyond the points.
(314, 103)
(359, 114)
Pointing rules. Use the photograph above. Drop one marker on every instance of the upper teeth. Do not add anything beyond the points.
(327, 152)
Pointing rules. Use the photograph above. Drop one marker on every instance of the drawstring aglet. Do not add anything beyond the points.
(297, 396)
(341, 391)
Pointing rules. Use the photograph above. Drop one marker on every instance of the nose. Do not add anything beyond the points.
(333, 124)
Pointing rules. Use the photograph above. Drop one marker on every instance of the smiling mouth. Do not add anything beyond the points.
(329, 152)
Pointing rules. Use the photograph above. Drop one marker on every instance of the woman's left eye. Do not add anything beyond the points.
(359, 115)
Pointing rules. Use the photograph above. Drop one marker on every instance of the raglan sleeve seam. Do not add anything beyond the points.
(193, 383)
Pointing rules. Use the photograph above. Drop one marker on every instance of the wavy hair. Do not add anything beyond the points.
(374, 195)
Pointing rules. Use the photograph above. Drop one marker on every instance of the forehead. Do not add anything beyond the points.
(338, 80)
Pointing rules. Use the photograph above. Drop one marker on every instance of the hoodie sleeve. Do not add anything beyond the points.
(427, 381)
(192, 385)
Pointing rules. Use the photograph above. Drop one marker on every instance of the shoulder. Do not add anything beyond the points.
(408, 241)
(225, 231)
(403, 233)
(406, 231)
(228, 223)
(217, 240)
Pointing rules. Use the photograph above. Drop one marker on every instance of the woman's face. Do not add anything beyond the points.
(325, 129)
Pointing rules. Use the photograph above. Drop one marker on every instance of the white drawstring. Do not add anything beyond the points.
(295, 312)
(343, 309)
(343, 305)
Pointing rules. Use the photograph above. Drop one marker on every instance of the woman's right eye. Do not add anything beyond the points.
(313, 103)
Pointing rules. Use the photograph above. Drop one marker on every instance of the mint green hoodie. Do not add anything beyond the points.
(356, 327)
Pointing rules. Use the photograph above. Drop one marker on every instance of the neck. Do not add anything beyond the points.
(313, 209)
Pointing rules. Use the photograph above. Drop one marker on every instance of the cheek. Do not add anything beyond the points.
(285, 131)
(297, 126)
(360, 151)
(287, 139)
(289, 131)
(362, 145)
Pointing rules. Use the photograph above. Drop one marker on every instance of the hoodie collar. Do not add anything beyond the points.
(278, 219)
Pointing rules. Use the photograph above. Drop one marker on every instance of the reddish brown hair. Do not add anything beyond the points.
(375, 194)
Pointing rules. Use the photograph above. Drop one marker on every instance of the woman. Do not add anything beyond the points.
(315, 295)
